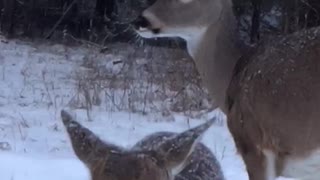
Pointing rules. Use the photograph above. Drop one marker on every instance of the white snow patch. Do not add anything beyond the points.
(21, 167)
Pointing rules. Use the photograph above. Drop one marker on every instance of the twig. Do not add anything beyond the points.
(3, 72)
(60, 20)
(84, 41)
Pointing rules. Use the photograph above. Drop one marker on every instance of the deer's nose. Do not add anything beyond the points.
(141, 22)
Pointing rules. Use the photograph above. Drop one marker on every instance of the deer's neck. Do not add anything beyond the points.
(215, 53)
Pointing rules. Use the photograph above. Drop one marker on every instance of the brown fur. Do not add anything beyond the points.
(271, 97)
(274, 100)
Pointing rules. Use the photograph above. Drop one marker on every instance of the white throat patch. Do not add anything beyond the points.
(193, 42)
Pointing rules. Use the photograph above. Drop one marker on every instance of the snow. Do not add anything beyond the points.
(36, 83)
(18, 167)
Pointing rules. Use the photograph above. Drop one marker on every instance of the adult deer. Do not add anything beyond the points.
(271, 97)
(159, 156)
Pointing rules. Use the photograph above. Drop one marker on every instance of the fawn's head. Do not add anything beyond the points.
(179, 18)
(128, 165)
(107, 161)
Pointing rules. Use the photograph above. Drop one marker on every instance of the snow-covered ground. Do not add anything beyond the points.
(36, 82)
(121, 128)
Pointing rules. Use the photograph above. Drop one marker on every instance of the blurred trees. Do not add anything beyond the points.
(258, 17)
(103, 21)
(94, 20)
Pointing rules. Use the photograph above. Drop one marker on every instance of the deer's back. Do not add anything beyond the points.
(274, 97)
(202, 164)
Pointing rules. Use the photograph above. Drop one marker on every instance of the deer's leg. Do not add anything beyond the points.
(253, 158)
(260, 163)
(254, 162)
(270, 164)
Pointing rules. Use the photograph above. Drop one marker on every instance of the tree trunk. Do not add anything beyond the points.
(290, 15)
(255, 22)
(30, 14)
(7, 20)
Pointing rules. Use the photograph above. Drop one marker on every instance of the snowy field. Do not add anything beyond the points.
(36, 83)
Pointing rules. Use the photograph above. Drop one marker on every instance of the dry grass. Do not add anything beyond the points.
(141, 80)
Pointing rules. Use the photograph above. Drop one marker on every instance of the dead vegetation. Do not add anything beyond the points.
(140, 80)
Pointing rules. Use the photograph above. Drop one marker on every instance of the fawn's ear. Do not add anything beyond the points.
(176, 150)
(88, 147)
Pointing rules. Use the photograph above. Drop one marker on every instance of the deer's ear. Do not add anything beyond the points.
(176, 151)
(88, 147)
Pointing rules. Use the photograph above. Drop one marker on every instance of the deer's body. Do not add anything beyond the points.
(274, 104)
(159, 156)
(271, 98)
(202, 164)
